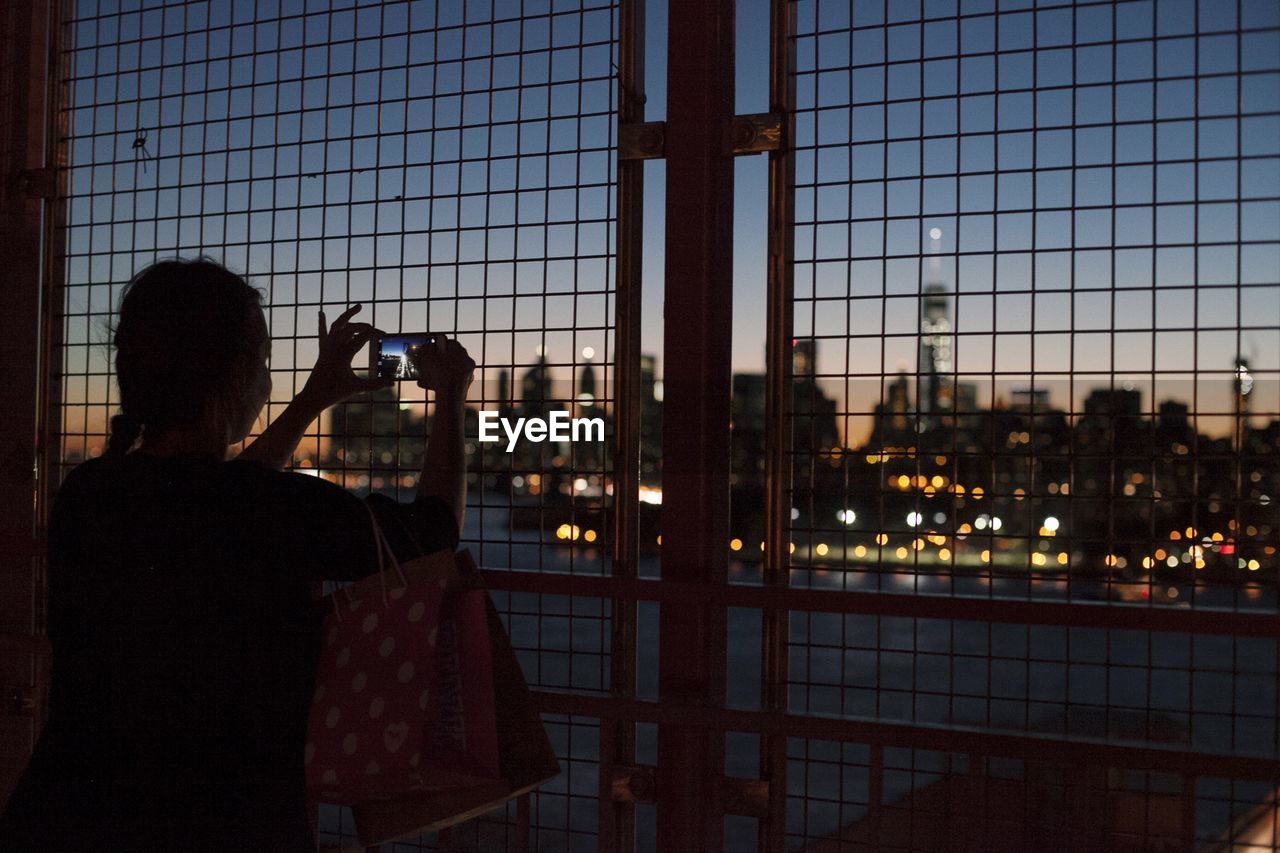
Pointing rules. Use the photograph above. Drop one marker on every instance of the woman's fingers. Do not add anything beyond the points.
(343, 332)
(344, 317)
(360, 331)
(358, 338)
(458, 354)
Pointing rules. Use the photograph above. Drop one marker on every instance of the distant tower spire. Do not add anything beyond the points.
(535, 387)
(587, 381)
(504, 391)
(935, 359)
(1243, 385)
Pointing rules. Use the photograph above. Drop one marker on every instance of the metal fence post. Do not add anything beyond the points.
(29, 213)
(779, 286)
(617, 737)
(695, 443)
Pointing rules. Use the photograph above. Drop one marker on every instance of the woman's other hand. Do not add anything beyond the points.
(332, 380)
(446, 368)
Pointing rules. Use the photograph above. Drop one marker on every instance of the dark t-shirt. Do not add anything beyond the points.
(184, 639)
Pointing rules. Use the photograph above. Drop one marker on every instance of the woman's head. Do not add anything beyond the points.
(191, 351)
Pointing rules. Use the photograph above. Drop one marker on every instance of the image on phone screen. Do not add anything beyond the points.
(398, 356)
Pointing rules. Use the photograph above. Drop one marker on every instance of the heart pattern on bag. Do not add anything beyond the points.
(394, 735)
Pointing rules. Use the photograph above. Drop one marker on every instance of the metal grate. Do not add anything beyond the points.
(1036, 301)
(1036, 358)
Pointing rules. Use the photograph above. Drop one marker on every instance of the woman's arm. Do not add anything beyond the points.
(275, 446)
(331, 381)
(444, 464)
(447, 369)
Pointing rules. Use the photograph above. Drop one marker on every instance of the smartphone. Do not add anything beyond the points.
(395, 356)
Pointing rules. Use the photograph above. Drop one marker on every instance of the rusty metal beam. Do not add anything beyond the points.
(779, 290)
(698, 323)
(616, 820)
(635, 784)
(29, 86)
(1009, 611)
(756, 133)
(1071, 752)
(641, 140)
(632, 783)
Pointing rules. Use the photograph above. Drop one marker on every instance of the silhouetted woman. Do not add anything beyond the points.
(180, 610)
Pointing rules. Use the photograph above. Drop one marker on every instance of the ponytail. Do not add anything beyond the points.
(125, 430)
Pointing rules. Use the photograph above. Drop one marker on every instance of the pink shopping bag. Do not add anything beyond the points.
(461, 739)
(366, 733)
(525, 757)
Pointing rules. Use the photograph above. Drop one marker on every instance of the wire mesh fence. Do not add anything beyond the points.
(1037, 344)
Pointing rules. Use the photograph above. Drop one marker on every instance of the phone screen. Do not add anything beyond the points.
(395, 356)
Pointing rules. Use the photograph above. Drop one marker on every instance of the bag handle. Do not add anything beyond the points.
(381, 545)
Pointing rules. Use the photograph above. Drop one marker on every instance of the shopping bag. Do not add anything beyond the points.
(366, 736)
(525, 756)
(460, 739)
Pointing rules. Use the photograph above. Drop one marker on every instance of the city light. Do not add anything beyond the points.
(848, 516)
(914, 518)
(1051, 524)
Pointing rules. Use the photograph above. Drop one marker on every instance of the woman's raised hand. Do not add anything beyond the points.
(446, 368)
(332, 380)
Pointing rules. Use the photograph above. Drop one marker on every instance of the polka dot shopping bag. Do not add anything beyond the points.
(381, 713)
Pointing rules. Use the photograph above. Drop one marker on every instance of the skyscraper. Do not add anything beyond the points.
(587, 386)
(1243, 387)
(815, 412)
(935, 363)
(535, 390)
(804, 358)
(650, 419)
